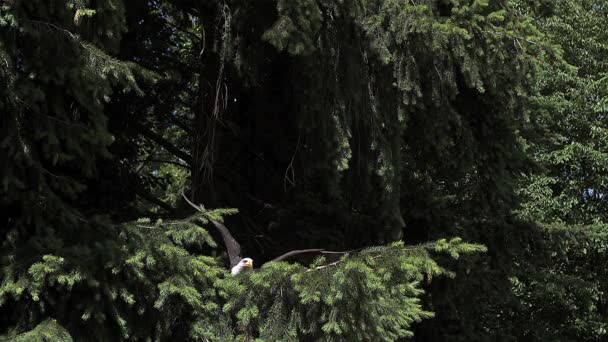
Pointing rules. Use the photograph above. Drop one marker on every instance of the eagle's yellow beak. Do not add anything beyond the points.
(249, 264)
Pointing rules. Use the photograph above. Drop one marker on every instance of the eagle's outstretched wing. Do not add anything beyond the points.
(233, 248)
(308, 255)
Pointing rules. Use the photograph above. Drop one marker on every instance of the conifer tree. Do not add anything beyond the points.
(559, 282)
(390, 120)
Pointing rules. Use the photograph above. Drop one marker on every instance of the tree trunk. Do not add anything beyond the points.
(207, 111)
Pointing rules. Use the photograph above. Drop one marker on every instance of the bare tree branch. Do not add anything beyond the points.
(166, 144)
(154, 200)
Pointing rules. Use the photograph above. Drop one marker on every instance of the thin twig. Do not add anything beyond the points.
(49, 25)
(290, 167)
(162, 161)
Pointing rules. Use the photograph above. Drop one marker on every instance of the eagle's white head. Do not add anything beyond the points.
(245, 263)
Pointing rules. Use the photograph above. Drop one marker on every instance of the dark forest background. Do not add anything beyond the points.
(461, 144)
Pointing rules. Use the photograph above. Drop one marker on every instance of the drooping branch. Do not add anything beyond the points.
(164, 110)
(179, 123)
(162, 162)
(154, 200)
(166, 144)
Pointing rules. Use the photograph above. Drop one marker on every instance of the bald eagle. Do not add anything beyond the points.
(245, 263)
(239, 264)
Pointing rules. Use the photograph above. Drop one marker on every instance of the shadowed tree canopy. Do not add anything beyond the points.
(397, 128)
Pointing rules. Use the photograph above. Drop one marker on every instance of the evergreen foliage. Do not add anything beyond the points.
(560, 283)
(147, 285)
(383, 126)
(373, 295)
(571, 119)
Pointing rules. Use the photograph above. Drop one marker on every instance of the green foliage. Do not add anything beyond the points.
(65, 267)
(48, 330)
(298, 24)
(371, 295)
(405, 93)
(561, 286)
(149, 279)
(558, 281)
(389, 120)
(569, 123)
